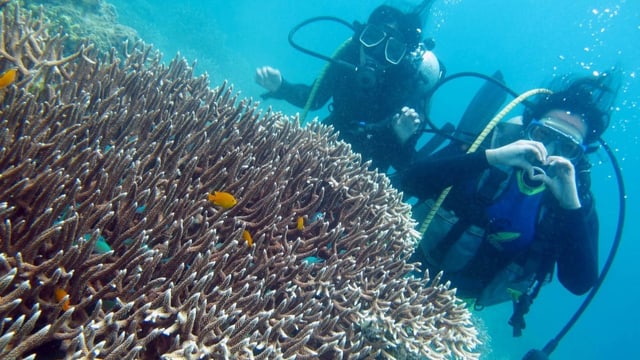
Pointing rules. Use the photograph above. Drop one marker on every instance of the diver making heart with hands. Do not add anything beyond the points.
(556, 172)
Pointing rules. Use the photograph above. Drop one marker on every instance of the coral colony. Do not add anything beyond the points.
(144, 215)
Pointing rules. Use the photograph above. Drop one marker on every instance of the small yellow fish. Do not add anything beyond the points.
(300, 223)
(8, 78)
(247, 237)
(59, 295)
(222, 199)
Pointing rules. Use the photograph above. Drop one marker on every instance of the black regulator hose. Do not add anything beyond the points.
(318, 55)
(543, 354)
(433, 128)
(477, 75)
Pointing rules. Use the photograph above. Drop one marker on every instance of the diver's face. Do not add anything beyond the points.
(574, 121)
(561, 132)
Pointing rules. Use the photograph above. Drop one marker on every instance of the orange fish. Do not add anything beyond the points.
(222, 199)
(247, 237)
(59, 295)
(8, 78)
(300, 223)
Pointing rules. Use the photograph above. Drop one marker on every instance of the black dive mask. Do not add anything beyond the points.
(381, 48)
(386, 43)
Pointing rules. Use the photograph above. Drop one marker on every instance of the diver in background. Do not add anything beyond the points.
(520, 207)
(379, 104)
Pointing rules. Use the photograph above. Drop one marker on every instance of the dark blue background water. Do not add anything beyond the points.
(529, 40)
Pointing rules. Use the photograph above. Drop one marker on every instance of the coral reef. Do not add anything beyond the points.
(109, 247)
(80, 20)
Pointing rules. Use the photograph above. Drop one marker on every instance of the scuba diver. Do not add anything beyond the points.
(379, 84)
(521, 205)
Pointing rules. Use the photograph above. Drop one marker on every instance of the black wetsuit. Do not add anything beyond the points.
(573, 234)
(363, 114)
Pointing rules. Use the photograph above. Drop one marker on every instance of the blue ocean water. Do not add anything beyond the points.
(530, 41)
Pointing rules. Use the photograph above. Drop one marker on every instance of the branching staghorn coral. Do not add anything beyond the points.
(110, 249)
(80, 20)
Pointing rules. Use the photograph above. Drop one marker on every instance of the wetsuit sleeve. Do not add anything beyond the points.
(402, 159)
(578, 256)
(428, 177)
(384, 146)
(297, 94)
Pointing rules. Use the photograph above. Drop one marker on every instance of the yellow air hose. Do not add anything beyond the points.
(475, 145)
(318, 82)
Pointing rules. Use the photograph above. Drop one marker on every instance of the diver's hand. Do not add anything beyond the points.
(405, 123)
(523, 154)
(559, 176)
(269, 78)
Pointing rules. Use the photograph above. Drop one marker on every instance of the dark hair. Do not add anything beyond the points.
(590, 97)
(409, 25)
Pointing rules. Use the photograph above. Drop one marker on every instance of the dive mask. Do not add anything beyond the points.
(394, 46)
(562, 139)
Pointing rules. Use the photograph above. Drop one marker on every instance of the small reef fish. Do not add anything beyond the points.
(222, 199)
(59, 295)
(247, 237)
(8, 78)
(300, 223)
(102, 246)
(317, 216)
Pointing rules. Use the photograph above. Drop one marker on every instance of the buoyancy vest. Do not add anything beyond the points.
(512, 218)
(482, 250)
